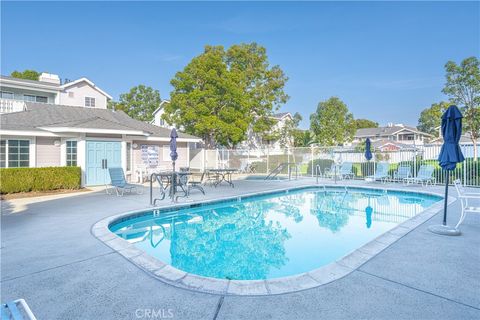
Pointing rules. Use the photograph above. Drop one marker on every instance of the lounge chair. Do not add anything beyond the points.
(464, 196)
(11, 310)
(346, 171)
(424, 176)
(332, 171)
(403, 172)
(118, 182)
(381, 173)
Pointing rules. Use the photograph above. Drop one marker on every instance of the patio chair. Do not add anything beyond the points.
(403, 172)
(331, 172)
(346, 171)
(381, 173)
(424, 176)
(189, 184)
(11, 310)
(464, 197)
(118, 182)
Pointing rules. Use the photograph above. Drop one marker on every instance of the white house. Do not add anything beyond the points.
(85, 133)
(395, 136)
(82, 92)
(157, 116)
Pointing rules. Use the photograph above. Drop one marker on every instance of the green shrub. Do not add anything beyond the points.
(14, 180)
(323, 163)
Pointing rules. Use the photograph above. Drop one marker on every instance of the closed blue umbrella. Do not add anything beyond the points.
(173, 146)
(450, 154)
(368, 149)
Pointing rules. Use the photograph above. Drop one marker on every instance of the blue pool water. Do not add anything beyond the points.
(273, 235)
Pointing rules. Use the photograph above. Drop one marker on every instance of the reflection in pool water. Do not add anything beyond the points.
(272, 235)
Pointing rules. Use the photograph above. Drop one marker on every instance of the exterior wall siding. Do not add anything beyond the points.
(48, 155)
(79, 92)
(164, 162)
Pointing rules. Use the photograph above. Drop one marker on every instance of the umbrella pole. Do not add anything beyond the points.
(446, 200)
(443, 229)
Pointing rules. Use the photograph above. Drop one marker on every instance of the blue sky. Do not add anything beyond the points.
(384, 59)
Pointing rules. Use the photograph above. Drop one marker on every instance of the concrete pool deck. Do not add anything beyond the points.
(50, 258)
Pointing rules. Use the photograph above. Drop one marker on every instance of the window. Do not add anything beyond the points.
(3, 155)
(129, 156)
(6, 95)
(71, 153)
(89, 102)
(32, 98)
(18, 153)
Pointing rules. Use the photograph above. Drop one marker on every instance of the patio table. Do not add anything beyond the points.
(164, 179)
(222, 175)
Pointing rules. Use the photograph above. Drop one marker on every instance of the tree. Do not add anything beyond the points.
(139, 103)
(463, 88)
(332, 123)
(365, 123)
(26, 74)
(431, 118)
(302, 138)
(221, 92)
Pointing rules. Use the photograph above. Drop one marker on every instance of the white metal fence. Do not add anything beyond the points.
(263, 161)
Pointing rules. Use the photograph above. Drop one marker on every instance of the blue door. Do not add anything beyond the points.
(101, 155)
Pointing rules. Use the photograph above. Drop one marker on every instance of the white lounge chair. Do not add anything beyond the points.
(403, 172)
(381, 173)
(464, 196)
(424, 176)
(346, 171)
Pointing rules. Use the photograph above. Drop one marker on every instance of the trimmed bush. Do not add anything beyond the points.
(14, 180)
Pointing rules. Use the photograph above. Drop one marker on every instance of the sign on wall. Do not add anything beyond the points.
(150, 155)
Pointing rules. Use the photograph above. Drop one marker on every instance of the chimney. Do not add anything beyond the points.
(49, 77)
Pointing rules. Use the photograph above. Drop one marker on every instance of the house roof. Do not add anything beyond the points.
(280, 115)
(58, 118)
(160, 106)
(54, 86)
(386, 131)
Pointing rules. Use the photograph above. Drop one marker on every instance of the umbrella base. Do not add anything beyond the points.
(444, 230)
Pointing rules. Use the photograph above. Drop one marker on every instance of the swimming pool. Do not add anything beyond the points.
(269, 236)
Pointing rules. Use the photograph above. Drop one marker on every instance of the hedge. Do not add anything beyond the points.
(14, 180)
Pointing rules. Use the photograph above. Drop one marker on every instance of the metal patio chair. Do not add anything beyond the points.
(464, 196)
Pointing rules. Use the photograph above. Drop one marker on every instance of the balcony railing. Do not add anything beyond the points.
(8, 105)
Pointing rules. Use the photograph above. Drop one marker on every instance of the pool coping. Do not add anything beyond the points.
(302, 281)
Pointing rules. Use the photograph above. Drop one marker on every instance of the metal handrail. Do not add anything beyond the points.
(280, 167)
(318, 171)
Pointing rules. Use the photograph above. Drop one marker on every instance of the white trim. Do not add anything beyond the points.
(89, 130)
(69, 84)
(160, 107)
(31, 133)
(162, 139)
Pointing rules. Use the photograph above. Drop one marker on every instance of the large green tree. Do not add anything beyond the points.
(332, 124)
(431, 118)
(139, 103)
(463, 88)
(220, 93)
(26, 74)
(365, 123)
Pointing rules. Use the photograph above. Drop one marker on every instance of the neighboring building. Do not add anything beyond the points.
(157, 116)
(398, 135)
(255, 141)
(93, 138)
(15, 92)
